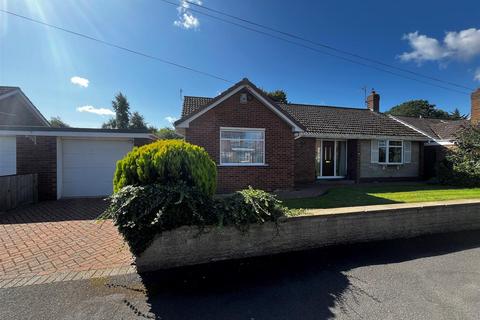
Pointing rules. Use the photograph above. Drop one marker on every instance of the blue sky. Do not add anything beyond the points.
(441, 39)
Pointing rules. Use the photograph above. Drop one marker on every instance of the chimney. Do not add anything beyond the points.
(475, 112)
(373, 101)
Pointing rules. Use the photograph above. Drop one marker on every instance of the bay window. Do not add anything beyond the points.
(242, 146)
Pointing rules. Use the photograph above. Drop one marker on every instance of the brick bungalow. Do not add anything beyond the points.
(69, 162)
(257, 141)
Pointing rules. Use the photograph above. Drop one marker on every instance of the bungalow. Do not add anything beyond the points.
(70, 162)
(257, 141)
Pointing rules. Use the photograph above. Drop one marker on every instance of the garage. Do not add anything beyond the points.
(88, 165)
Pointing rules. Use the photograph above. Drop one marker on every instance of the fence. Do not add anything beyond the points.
(18, 190)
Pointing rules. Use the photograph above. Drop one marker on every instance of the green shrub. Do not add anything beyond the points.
(462, 164)
(249, 206)
(141, 212)
(167, 162)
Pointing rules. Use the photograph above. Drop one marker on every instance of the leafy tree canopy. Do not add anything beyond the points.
(57, 122)
(167, 133)
(424, 109)
(121, 106)
(123, 118)
(462, 165)
(277, 95)
(137, 121)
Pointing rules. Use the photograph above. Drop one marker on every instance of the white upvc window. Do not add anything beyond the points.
(242, 146)
(391, 152)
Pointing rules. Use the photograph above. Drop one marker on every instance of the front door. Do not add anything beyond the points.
(328, 166)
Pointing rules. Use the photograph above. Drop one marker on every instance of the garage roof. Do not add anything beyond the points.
(76, 132)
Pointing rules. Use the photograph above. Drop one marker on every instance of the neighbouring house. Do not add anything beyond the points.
(441, 133)
(259, 142)
(70, 162)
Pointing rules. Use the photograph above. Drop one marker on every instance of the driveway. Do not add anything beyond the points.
(430, 277)
(59, 240)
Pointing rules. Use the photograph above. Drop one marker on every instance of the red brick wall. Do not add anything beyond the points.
(305, 160)
(279, 144)
(39, 157)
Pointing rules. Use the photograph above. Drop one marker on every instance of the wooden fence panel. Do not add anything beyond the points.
(18, 190)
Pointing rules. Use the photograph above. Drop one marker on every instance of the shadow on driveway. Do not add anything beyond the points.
(303, 285)
(56, 211)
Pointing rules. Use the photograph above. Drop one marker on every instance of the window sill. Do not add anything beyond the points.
(242, 165)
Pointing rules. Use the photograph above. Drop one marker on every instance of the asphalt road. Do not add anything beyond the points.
(434, 277)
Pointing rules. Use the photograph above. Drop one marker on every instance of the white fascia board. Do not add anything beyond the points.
(412, 127)
(439, 143)
(74, 134)
(358, 136)
(295, 127)
(186, 123)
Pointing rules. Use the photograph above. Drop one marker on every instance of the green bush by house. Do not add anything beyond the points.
(142, 212)
(167, 162)
(462, 164)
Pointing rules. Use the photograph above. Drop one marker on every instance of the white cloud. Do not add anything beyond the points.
(462, 45)
(186, 19)
(82, 82)
(477, 75)
(171, 120)
(99, 111)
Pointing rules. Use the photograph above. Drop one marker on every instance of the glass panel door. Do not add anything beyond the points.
(341, 159)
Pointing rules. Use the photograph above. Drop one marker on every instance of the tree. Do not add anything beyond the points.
(456, 115)
(110, 124)
(278, 96)
(168, 133)
(462, 163)
(137, 121)
(122, 111)
(57, 122)
(418, 108)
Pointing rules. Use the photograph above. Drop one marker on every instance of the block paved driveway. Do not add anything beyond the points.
(59, 240)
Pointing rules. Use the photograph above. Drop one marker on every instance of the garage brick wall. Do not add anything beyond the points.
(279, 144)
(39, 155)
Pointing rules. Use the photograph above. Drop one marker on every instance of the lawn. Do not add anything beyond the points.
(364, 196)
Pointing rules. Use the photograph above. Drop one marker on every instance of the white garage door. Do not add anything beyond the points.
(8, 156)
(89, 165)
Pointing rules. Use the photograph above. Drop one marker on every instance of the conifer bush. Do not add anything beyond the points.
(167, 162)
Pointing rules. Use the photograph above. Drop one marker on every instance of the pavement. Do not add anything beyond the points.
(429, 277)
(60, 240)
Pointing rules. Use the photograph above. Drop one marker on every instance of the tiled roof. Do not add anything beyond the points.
(436, 128)
(5, 90)
(345, 121)
(328, 120)
(192, 104)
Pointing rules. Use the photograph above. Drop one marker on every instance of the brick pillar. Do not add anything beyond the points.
(475, 112)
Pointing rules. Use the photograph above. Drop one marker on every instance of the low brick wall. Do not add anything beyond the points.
(186, 246)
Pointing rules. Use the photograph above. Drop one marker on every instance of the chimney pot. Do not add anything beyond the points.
(373, 101)
(475, 111)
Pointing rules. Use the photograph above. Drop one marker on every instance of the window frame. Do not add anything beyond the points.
(240, 164)
(387, 152)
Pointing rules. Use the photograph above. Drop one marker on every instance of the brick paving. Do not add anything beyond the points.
(58, 241)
